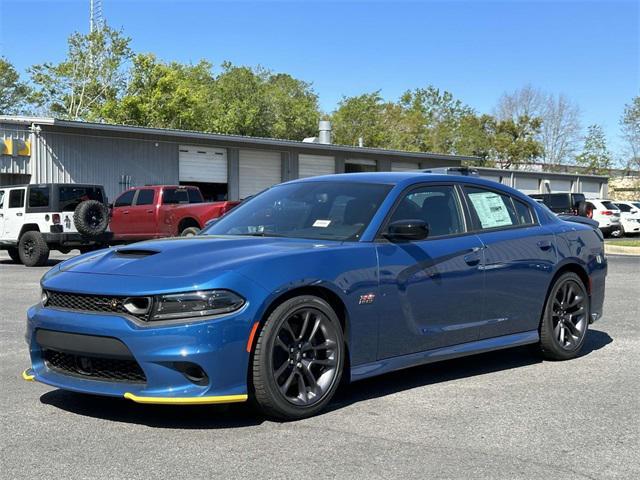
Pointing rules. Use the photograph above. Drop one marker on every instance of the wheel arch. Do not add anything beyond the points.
(323, 292)
(187, 222)
(567, 267)
(28, 227)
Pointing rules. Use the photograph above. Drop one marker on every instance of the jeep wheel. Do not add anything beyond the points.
(34, 251)
(14, 254)
(91, 218)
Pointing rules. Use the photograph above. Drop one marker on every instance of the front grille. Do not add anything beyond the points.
(89, 303)
(95, 368)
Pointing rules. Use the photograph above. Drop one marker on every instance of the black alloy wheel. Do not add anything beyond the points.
(566, 319)
(298, 358)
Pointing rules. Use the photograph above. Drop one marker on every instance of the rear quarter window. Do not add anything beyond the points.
(39, 196)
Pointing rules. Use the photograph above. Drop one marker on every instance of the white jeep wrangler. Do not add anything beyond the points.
(54, 216)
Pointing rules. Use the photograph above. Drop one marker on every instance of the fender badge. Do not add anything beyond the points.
(366, 298)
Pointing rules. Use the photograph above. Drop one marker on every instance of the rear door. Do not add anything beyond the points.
(14, 213)
(431, 290)
(518, 261)
(121, 225)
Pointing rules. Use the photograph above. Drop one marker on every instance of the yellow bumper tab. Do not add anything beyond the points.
(187, 400)
(28, 375)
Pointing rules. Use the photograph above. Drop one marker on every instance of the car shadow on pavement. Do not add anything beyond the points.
(243, 415)
(50, 263)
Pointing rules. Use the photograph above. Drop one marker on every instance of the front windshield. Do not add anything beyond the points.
(314, 210)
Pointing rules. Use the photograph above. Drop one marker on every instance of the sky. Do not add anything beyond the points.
(588, 50)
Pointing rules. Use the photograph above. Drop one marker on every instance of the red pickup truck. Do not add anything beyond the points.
(158, 211)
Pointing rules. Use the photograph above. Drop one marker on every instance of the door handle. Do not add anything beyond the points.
(126, 212)
(544, 244)
(19, 214)
(149, 211)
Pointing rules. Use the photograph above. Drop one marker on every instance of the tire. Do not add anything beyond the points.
(190, 232)
(565, 321)
(91, 218)
(14, 254)
(34, 251)
(619, 233)
(319, 355)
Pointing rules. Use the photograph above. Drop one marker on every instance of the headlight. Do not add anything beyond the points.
(44, 298)
(195, 304)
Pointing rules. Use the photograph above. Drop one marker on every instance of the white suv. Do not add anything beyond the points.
(37, 218)
(629, 216)
(607, 215)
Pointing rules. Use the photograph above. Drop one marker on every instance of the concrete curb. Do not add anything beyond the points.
(621, 250)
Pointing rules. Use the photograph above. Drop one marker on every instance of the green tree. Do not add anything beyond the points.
(164, 95)
(475, 138)
(363, 117)
(14, 94)
(630, 123)
(92, 75)
(292, 107)
(595, 156)
(514, 141)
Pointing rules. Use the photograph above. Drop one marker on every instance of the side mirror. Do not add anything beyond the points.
(405, 230)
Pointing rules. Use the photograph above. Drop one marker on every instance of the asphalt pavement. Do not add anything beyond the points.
(503, 415)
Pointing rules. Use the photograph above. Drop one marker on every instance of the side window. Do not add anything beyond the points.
(437, 205)
(523, 212)
(493, 210)
(145, 197)
(172, 196)
(195, 196)
(623, 207)
(39, 196)
(1, 199)
(125, 199)
(16, 198)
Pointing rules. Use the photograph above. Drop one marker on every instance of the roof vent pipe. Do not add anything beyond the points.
(325, 131)
(361, 141)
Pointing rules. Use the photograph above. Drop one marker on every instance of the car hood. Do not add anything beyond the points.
(187, 257)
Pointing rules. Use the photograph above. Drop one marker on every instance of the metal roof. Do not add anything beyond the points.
(256, 141)
(538, 173)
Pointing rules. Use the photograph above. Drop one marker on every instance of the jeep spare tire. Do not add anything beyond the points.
(91, 217)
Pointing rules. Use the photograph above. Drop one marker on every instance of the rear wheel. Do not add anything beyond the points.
(298, 359)
(34, 251)
(190, 232)
(566, 318)
(14, 254)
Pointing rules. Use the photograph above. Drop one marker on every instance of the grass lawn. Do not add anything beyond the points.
(626, 243)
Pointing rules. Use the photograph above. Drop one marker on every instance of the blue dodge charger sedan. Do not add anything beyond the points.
(315, 281)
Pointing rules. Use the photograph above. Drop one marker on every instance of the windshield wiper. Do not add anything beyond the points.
(260, 234)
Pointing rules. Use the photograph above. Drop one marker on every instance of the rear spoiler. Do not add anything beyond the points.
(577, 219)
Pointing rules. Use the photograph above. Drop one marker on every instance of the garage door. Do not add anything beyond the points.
(591, 189)
(404, 166)
(560, 185)
(527, 185)
(259, 169)
(313, 165)
(352, 165)
(199, 164)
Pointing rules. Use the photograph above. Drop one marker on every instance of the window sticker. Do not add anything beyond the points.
(491, 209)
(321, 223)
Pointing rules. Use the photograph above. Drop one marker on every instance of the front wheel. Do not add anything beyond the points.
(190, 232)
(565, 321)
(298, 359)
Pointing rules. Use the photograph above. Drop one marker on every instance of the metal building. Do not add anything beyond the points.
(42, 150)
(39, 150)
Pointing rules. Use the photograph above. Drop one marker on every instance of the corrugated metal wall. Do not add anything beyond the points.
(59, 157)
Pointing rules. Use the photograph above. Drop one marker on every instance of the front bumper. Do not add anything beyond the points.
(217, 346)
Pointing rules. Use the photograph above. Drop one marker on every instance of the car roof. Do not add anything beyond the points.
(405, 179)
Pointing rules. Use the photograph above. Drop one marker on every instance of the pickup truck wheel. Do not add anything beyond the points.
(190, 232)
(14, 254)
(34, 251)
(91, 217)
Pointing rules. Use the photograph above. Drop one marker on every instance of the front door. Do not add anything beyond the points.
(431, 290)
(121, 224)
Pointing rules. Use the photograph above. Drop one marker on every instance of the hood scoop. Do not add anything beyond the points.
(135, 253)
